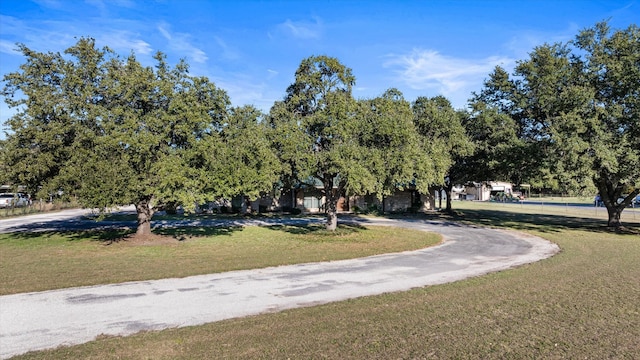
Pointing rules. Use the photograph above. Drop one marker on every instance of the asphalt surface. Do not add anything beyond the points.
(36, 321)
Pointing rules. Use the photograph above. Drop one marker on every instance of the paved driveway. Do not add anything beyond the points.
(42, 320)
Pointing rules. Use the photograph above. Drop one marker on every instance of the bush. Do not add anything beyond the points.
(370, 210)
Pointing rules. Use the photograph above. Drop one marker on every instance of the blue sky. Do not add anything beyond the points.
(252, 49)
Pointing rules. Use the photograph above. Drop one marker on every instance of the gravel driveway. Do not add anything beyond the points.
(35, 321)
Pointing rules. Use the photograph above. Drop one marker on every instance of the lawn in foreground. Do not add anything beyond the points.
(37, 262)
(581, 303)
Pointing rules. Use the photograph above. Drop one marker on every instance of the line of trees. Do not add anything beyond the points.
(109, 131)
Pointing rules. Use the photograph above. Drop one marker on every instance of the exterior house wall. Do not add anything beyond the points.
(309, 200)
(401, 200)
(398, 201)
(265, 203)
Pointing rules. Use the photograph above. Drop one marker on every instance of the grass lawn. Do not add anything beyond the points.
(582, 303)
(563, 199)
(36, 261)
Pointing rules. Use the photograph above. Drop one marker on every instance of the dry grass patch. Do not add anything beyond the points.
(579, 304)
(36, 262)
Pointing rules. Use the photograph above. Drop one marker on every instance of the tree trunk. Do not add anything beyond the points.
(332, 220)
(247, 208)
(331, 205)
(145, 212)
(448, 189)
(383, 207)
(614, 216)
(609, 193)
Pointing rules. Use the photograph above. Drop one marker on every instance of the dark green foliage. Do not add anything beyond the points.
(444, 143)
(109, 132)
(370, 146)
(569, 117)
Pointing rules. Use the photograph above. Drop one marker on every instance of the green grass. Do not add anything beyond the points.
(579, 304)
(37, 262)
(563, 199)
(547, 216)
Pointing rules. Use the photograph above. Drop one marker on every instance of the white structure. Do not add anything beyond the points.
(484, 191)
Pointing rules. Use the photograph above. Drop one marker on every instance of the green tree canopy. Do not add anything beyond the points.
(322, 134)
(390, 146)
(112, 132)
(314, 123)
(444, 143)
(244, 161)
(576, 107)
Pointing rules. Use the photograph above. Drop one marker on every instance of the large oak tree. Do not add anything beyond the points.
(577, 110)
(112, 132)
(323, 135)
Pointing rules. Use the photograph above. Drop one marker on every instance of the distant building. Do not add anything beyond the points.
(484, 191)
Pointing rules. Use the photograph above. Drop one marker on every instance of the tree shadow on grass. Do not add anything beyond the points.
(111, 236)
(106, 236)
(537, 222)
(183, 233)
(318, 229)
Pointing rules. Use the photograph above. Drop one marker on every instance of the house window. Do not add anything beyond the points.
(311, 202)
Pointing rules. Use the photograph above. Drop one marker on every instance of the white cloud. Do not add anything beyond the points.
(124, 41)
(12, 25)
(522, 44)
(8, 47)
(180, 42)
(164, 32)
(446, 75)
(245, 91)
(302, 29)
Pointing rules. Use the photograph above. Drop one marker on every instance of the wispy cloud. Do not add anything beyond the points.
(181, 43)
(429, 70)
(44, 36)
(102, 7)
(245, 89)
(53, 4)
(302, 29)
(121, 3)
(8, 47)
(228, 52)
(124, 41)
(524, 42)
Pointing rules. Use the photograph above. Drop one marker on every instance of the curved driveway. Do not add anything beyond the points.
(35, 321)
